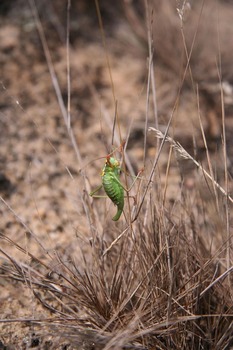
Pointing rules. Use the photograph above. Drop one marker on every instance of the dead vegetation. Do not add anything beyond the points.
(161, 277)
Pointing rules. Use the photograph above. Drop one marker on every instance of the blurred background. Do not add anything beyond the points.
(191, 43)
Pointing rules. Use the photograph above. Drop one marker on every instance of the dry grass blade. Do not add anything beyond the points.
(184, 154)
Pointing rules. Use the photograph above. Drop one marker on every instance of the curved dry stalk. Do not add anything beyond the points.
(184, 154)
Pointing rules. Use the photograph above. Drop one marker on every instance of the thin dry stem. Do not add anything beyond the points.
(184, 154)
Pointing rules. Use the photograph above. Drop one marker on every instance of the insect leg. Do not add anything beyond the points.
(131, 186)
(96, 190)
(136, 178)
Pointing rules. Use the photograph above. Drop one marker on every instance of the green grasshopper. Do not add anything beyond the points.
(112, 185)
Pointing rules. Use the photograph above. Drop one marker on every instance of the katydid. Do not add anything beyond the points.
(112, 185)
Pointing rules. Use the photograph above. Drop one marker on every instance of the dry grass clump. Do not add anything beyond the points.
(160, 286)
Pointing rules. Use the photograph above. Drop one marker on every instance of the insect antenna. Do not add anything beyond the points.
(114, 124)
(119, 148)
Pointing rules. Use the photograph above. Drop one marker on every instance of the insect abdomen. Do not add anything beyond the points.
(114, 191)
